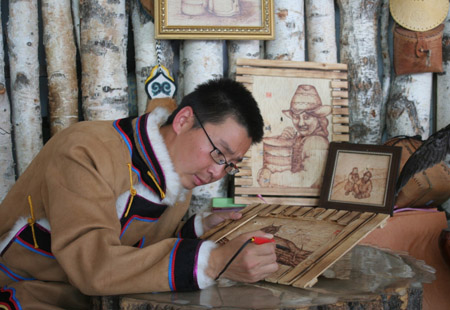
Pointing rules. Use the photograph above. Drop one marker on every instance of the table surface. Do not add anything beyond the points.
(364, 278)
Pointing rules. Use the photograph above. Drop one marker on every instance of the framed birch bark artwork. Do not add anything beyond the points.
(214, 19)
(360, 177)
(305, 107)
(311, 239)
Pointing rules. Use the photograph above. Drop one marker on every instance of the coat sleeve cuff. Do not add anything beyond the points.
(204, 252)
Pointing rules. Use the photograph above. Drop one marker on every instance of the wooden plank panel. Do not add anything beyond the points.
(292, 73)
(341, 138)
(290, 64)
(340, 128)
(305, 191)
(339, 84)
(340, 111)
(326, 214)
(302, 211)
(340, 119)
(339, 93)
(278, 200)
(335, 217)
(339, 102)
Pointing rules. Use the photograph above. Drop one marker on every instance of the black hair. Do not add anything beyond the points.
(218, 99)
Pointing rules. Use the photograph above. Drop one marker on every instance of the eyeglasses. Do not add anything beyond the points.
(217, 155)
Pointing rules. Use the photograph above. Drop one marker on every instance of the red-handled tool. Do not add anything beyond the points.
(262, 240)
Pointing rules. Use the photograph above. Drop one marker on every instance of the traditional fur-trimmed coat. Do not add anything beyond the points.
(98, 212)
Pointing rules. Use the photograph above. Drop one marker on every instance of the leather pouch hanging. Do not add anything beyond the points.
(416, 51)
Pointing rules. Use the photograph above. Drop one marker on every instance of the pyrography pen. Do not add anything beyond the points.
(255, 240)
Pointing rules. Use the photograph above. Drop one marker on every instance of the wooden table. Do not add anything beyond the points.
(365, 278)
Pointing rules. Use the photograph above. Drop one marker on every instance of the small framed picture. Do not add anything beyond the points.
(214, 19)
(360, 177)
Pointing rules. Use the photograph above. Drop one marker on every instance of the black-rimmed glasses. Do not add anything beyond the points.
(217, 155)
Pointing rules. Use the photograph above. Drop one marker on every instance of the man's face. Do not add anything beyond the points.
(305, 123)
(191, 156)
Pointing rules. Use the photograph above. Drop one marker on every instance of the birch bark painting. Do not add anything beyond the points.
(103, 36)
(358, 41)
(7, 175)
(60, 52)
(23, 39)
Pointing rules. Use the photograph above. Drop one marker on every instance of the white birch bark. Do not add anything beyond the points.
(409, 105)
(23, 39)
(443, 81)
(76, 20)
(180, 73)
(203, 61)
(145, 51)
(250, 49)
(385, 56)
(358, 39)
(104, 38)
(289, 42)
(7, 175)
(60, 52)
(321, 30)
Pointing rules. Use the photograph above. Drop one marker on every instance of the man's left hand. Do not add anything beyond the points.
(215, 219)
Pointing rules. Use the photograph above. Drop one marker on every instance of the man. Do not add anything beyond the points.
(307, 140)
(98, 210)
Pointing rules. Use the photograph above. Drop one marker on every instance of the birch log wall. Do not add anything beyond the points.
(358, 42)
(103, 39)
(23, 40)
(443, 81)
(60, 54)
(7, 175)
(101, 35)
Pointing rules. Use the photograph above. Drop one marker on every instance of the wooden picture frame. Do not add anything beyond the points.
(315, 237)
(360, 177)
(214, 19)
(274, 171)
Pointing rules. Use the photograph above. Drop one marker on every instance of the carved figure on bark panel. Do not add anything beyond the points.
(293, 152)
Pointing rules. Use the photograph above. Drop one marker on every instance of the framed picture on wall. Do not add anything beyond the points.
(360, 177)
(214, 19)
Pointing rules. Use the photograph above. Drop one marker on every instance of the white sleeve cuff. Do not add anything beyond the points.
(198, 223)
(203, 280)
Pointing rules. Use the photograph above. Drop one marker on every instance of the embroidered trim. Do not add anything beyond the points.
(12, 275)
(8, 298)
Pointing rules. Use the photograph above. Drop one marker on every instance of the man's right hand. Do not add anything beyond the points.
(254, 262)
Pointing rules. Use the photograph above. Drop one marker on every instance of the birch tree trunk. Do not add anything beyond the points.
(321, 30)
(289, 42)
(358, 39)
(385, 56)
(76, 20)
(60, 52)
(7, 176)
(144, 49)
(23, 39)
(409, 105)
(180, 73)
(250, 49)
(443, 81)
(104, 38)
(203, 61)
